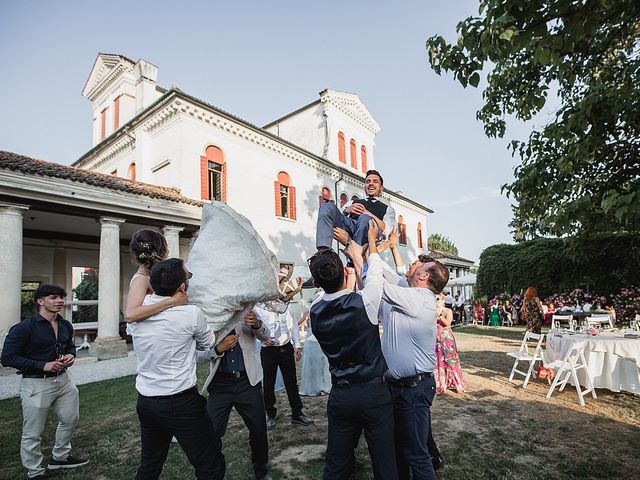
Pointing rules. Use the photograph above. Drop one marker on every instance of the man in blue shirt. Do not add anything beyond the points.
(42, 348)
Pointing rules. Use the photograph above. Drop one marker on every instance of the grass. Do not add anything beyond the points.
(494, 431)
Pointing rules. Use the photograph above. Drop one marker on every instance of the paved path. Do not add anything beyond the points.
(86, 370)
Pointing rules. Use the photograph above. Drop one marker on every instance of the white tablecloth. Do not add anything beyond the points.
(613, 361)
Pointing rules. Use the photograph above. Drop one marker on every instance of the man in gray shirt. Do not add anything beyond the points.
(408, 344)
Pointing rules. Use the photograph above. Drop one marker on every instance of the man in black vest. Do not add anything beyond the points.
(345, 324)
(355, 216)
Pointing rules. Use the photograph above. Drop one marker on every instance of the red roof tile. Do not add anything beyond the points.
(31, 166)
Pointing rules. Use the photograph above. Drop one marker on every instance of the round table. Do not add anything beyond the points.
(613, 360)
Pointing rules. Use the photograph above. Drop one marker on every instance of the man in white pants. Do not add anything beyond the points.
(42, 348)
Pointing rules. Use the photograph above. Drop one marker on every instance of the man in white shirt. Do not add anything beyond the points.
(408, 344)
(282, 349)
(168, 402)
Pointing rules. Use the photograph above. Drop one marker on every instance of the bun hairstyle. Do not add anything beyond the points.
(148, 247)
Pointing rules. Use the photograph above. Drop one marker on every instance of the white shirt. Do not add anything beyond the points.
(389, 218)
(166, 348)
(282, 328)
(409, 330)
(371, 293)
(448, 299)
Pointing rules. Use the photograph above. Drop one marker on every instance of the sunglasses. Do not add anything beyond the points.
(319, 254)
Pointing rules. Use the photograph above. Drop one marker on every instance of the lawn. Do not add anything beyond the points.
(494, 431)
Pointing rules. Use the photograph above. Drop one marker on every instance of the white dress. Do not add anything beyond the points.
(316, 378)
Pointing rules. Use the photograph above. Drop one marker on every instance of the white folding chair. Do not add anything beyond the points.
(568, 368)
(573, 325)
(558, 320)
(524, 354)
(635, 324)
(600, 321)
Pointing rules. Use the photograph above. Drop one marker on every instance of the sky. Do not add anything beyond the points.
(261, 60)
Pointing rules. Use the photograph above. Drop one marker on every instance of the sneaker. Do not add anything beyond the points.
(70, 462)
(271, 423)
(302, 419)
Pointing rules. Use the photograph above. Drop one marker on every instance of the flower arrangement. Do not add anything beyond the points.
(627, 303)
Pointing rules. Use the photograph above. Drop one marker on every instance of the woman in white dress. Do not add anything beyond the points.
(316, 379)
(147, 248)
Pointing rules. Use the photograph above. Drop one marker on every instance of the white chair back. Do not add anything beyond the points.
(527, 353)
(567, 368)
(558, 320)
(635, 324)
(603, 320)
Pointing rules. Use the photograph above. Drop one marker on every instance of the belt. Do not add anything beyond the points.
(41, 375)
(234, 375)
(409, 381)
(188, 391)
(343, 382)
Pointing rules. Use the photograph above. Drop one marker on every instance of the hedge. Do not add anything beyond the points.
(602, 263)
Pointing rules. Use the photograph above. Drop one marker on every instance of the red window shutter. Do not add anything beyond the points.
(363, 158)
(103, 124)
(116, 114)
(354, 154)
(204, 178)
(342, 149)
(277, 198)
(292, 202)
(224, 183)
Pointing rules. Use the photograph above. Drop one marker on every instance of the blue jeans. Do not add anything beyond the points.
(412, 415)
(329, 217)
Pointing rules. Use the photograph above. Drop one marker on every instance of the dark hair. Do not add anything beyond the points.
(438, 276)
(375, 172)
(423, 258)
(167, 276)
(46, 290)
(148, 247)
(327, 270)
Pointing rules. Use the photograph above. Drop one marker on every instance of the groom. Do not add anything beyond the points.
(355, 216)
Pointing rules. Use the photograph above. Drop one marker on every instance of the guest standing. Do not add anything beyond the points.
(42, 348)
(448, 371)
(532, 311)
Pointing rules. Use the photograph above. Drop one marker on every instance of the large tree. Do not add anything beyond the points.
(580, 173)
(441, 243)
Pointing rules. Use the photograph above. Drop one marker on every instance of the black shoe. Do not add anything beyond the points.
(438, 462)
(70, 462)
(302, 419)
(271, 423)
(266, 477)
(38, 477)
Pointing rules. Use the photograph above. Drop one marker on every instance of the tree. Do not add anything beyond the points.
(441, 244)
(580, 173)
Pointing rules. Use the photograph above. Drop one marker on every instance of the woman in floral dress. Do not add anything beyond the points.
(532, 310)
(448, 371)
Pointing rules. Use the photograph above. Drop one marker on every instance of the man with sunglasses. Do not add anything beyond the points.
(168, 402)
(42, 348)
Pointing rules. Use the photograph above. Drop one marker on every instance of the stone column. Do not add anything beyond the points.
(10, 265)
(108, 343)
(172, 234)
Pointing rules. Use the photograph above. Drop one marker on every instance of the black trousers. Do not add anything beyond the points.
(350, 410)
(225, 393)
(283, 357)
(185, 417)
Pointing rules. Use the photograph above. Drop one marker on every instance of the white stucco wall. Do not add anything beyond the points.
(305, 129)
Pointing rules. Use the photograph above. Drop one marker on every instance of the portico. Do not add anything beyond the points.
(66, 226)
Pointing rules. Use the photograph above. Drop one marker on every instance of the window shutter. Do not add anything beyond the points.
(204, 178)
(277, 198)
(292, 202)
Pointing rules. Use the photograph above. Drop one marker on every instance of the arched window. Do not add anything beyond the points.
(402, 231)
(131, 174)
(420, 244)
(363, 158)
(354, 197)
(342, 149)
(343, 199)
(285, 197)
(354, 154)
(213, 175)
(325, 196)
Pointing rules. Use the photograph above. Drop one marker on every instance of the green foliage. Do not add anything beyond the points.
(441, 243)
(581, 172)
(602, 263)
